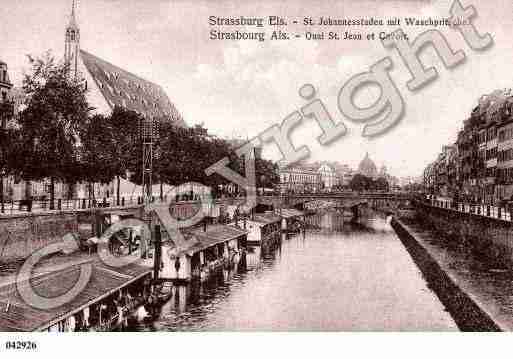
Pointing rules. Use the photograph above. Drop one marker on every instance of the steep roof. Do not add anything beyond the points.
(124, 89)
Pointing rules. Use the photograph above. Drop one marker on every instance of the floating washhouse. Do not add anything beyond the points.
(262, 227)
(291, 219)
(205, 250)
(105, 302)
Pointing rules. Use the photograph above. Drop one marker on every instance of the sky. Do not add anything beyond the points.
(240, 88)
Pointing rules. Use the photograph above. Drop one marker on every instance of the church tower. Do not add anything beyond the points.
(72, 43)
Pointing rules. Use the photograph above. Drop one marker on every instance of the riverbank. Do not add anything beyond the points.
(472, 296)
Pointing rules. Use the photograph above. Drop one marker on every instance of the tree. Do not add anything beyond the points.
(127, 146)
(381, 184)
(185, 153)
(267, 173)
(99, 155)
(360, 182)
(56, 111)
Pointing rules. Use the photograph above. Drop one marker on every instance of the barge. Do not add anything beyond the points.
(263, 228)
(205, 251)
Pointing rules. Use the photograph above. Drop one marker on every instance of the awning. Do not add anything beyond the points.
(215, 234)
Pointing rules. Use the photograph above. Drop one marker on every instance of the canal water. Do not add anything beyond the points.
(338, 276)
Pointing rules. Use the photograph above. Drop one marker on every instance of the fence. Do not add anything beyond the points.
(38, 206)
(25, 205)
(475, 209)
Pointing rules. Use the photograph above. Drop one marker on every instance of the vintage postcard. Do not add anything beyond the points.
(254, 166)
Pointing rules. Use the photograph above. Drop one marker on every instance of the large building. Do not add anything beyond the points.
(316, 176)
(367, 167)
(505, 160)
(5, 88)
(109, 85)
(299, 179)
(479, 167)
(328, 176)
(5, 82)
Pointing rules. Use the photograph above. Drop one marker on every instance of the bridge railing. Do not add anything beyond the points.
(483, 210)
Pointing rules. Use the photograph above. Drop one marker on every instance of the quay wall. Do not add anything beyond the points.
(489, 237)
(468, 314)
(24, 233)
(21, 235)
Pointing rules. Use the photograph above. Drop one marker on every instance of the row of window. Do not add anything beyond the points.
(299, 178)
(491, 153)
(120, 93)
(505, 155)
(3, 76)
(506, 134)
(487, 135)
(505, 174)
(490, 171)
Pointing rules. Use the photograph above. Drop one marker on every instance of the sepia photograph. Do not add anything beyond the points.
(257, 171)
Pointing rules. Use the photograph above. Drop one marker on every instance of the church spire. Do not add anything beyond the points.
(72, 41)
(73, 20)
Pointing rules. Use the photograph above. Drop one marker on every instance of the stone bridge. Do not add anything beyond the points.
(347, 200)
(343, 199)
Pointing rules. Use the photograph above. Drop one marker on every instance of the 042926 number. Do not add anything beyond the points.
(20, 345)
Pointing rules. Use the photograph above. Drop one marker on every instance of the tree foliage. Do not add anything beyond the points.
(360, 182)
(55, 114)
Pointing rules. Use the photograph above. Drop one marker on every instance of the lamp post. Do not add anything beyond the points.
(148, 131)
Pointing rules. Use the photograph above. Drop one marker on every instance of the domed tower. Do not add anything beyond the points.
(367, 167)
(383, 171)
(72, 42)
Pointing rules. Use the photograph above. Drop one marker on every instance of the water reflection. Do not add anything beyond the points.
(302, 283)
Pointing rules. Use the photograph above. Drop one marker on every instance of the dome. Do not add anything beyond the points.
(367, 167)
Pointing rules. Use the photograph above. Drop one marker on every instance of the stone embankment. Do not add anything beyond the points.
(469, 311)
